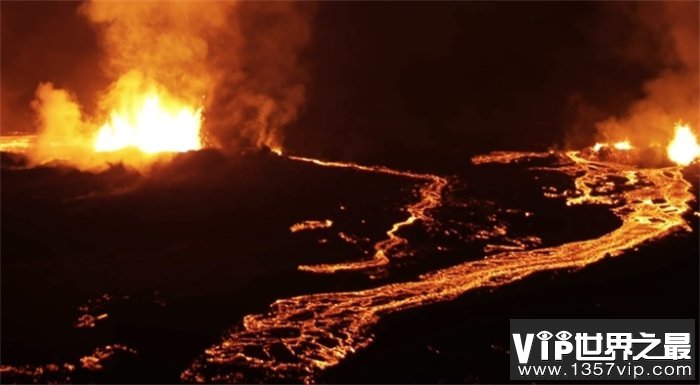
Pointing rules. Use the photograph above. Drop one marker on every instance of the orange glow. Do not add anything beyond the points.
(624, 145)
(16, 143)
(151, 123)
(684, 148)
(139, 121)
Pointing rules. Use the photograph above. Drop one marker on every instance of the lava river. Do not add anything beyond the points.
(299, 337)
(430, 197)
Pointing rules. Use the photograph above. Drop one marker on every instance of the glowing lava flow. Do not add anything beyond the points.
(430, 197)
(18, 143)
(624, 145)
(316, 331)
(299, 337)
(508, 157)
(310, 225)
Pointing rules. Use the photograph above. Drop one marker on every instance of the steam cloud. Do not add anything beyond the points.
(672, 95)
(240, 61)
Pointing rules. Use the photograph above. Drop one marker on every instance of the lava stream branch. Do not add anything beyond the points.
(430, 197)
(299, 337)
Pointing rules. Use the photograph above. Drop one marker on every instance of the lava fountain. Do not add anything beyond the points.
(151, 123)
(684, 148)
(154, 103)
(139, 121)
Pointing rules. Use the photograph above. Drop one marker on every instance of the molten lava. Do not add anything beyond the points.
(430, 197)
(297, 338)
(684, 148)
(151, 123)
(17, 143)
(624, 145)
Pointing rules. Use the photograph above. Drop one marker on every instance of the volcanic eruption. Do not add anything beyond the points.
(164, 226)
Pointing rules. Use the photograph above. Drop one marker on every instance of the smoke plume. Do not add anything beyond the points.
(260, 74)
(61, 125)
(239, 62)
(673, 94)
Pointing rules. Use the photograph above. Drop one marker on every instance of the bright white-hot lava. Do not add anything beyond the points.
(624, 145)
(684, 147)
(151, 124)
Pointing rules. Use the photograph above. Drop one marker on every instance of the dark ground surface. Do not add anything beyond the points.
(195, 252)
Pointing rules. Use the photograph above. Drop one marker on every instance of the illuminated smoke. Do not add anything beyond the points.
(674, 93)
(61, 123)
(235, 62)
(260, 75)
(166, 42)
